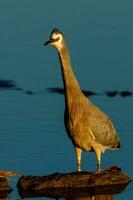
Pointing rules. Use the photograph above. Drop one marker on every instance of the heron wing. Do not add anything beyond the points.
(89, 122)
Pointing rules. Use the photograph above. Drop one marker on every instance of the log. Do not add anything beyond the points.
(75, 184)
(5, 188)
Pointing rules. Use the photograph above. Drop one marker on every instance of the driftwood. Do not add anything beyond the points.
(75, 184)
(4, 186)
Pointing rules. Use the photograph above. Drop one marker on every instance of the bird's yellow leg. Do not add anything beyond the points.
(98, 156)
(78, 155)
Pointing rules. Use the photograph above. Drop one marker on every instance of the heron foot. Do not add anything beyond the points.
(98, 169)
(78, 155)
(79, 168)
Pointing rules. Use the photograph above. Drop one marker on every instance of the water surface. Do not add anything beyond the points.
(100, 36)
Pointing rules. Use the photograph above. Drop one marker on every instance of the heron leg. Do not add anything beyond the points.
(98, 156)
(78, 155)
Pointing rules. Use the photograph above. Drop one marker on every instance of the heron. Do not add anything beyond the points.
(88, 127)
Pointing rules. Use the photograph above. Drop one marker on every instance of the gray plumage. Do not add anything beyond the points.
(88, 127)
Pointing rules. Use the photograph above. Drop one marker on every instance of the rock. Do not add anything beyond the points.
(81, 184)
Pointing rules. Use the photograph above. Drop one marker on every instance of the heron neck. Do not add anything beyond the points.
(71, 85)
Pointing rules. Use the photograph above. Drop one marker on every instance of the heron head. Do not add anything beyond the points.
(56, 39)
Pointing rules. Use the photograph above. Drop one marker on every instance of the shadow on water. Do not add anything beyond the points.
(124, 93)
(7, 84)
(10, 84)
(113, 93)
(61, 91)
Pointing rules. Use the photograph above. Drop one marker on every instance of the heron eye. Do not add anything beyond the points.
(56, 39)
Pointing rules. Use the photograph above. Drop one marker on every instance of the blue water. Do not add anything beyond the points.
(100, 38)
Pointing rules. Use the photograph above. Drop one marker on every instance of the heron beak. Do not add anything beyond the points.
(48, 42)
(51, 41)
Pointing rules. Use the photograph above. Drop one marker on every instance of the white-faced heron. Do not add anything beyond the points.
(89, 128)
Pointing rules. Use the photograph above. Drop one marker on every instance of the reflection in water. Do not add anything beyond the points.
(4, 196)
(97, 193)
(97, 197)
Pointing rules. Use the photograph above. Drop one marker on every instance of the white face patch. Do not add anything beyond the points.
(58, 44)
